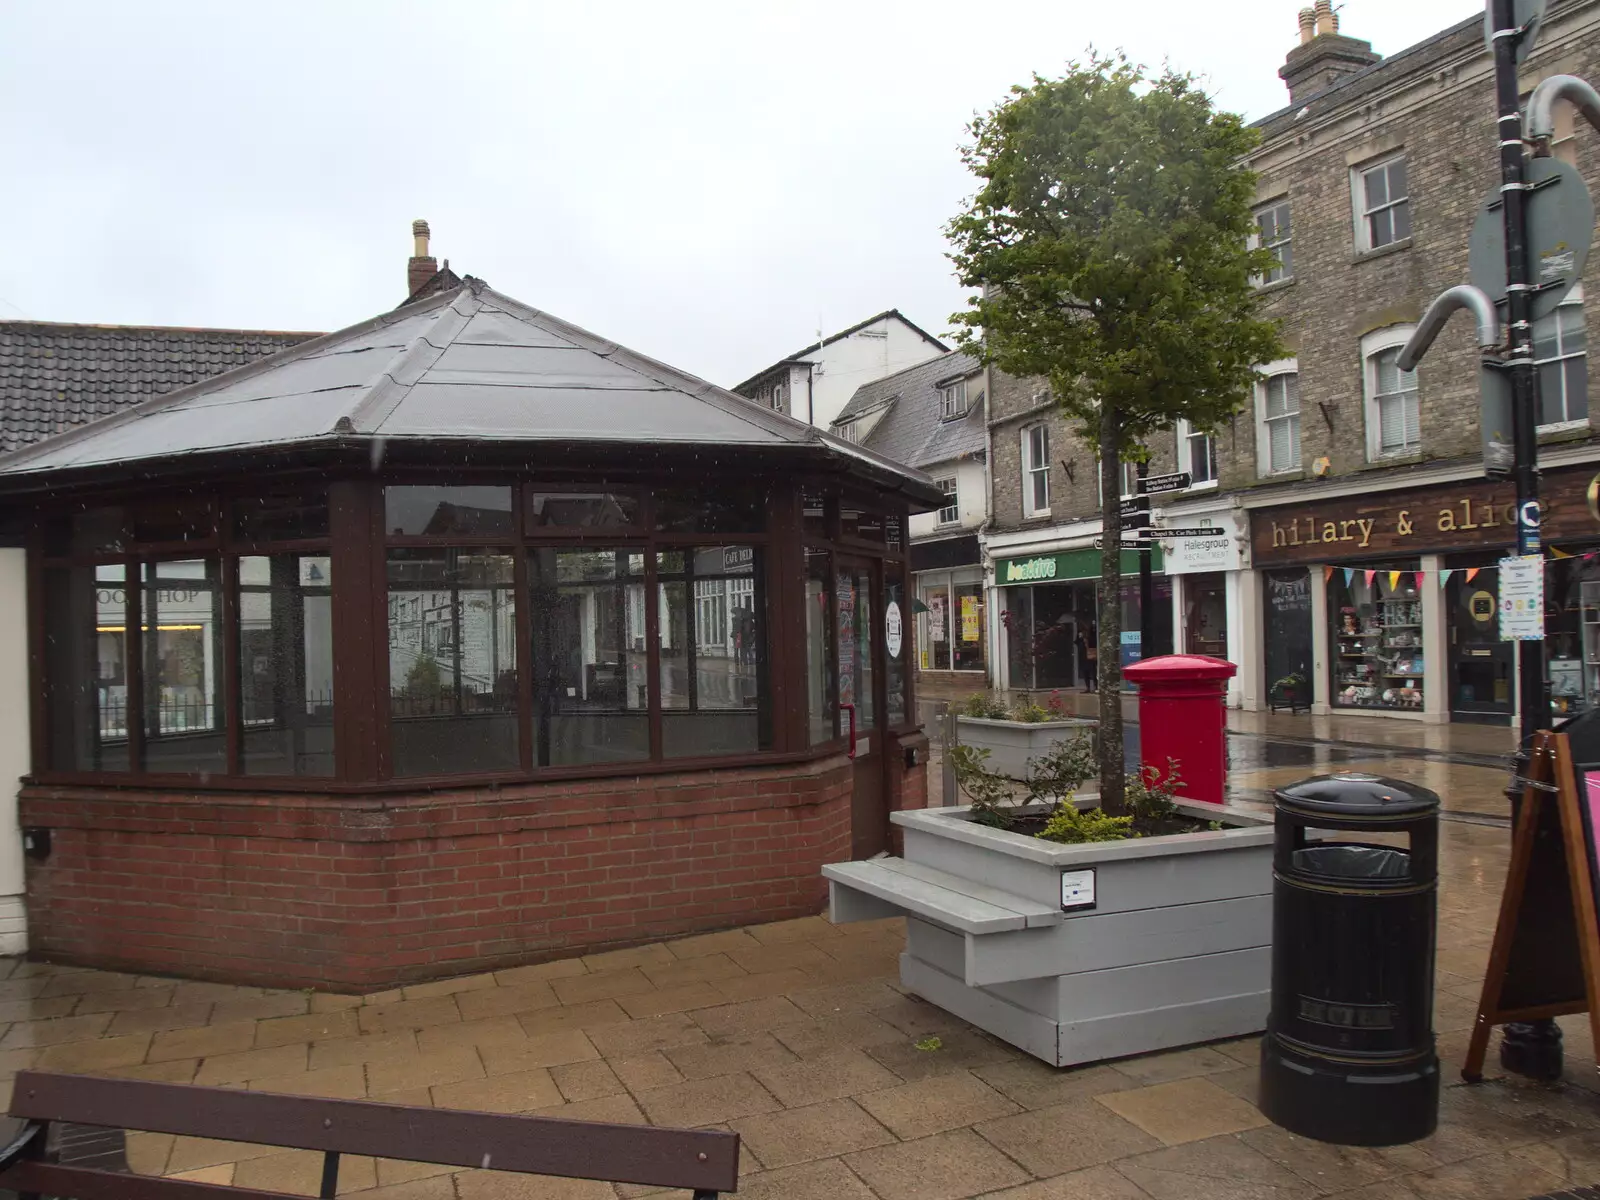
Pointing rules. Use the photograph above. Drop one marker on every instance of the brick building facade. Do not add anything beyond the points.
(1369, 182)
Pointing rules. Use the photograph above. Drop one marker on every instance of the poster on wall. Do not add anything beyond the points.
(936, 618)
(1522, 598)
(969, 618)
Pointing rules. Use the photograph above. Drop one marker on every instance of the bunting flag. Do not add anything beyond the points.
(1421, 575)
(1327, 574)
(1472, 573)
(1394, 580)
(1444, 575)
(1371, 575)
(1349, 576)
(1559, 553)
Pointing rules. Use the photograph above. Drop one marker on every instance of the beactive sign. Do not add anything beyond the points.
(1422, 520)
(1028, 570)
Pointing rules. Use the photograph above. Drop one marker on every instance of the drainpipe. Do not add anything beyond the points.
(997, 677)
(811, 411)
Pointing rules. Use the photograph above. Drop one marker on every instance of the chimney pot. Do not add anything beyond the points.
(1326, 21)
(1308, 21)
(421, 268)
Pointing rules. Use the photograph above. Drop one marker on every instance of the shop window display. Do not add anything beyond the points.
(1377, 637)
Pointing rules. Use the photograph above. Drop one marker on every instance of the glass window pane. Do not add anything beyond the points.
(591, 691)
(447, 511)
(1284, 226)
(967, 627)
(286, 665)
(711, 510)
(85, 668)
(861, 523)
(1279, 436)
(582, 510)
(1376, 186)
(1397, 180)
(1546, 343)
(294, 516)
(1573, 332)
(853, 603)
(1286, 258)
(1577, 371)
(821, 683)
(1401, 215)
(713, 656)
(897, 641)
(1382, 226)
(1552, 407)
(181, 615)
(452, 661)
(936, 623)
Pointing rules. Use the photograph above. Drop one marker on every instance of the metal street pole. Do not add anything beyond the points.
(1146, 583)
(1532, 1048)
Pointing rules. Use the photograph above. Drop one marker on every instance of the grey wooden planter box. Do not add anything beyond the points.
(1012, 743)
(1176, 949)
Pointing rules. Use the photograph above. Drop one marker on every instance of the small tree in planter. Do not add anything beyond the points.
(1109, 236)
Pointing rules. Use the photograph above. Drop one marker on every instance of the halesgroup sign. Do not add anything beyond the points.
(1421, 520)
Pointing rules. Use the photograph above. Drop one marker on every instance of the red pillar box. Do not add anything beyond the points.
(1183, 716)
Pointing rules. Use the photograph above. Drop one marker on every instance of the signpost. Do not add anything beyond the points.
(1153, 485)
(1161, 532)
(1538, 223)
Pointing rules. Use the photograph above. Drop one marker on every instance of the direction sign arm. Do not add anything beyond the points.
(1542, 108)
(1463, 295)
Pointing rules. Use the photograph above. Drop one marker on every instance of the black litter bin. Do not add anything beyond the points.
(1349, 1052)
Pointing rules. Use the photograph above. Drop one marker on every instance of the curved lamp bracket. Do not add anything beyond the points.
(1542, 108)
(1463, 295)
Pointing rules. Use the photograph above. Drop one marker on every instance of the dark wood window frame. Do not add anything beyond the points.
(358, 543)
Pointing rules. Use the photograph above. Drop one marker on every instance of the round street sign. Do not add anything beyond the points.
(1529, 14)
(1560, 226)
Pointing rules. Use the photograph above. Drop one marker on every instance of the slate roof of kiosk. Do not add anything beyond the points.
(470, 366)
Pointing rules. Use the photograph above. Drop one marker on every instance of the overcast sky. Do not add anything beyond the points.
(710, 183)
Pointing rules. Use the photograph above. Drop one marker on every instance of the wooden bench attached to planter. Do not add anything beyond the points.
(705, 1162)
(994, 924)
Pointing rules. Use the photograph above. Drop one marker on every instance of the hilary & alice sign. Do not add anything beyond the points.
(1421, 520)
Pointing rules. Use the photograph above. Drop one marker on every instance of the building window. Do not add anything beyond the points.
(1036, 471)
(1560, 347)
(138, 675)
(953, 400)
(1197, 454)
(1278, 418)
(850, 431)
(1394, 415)
(1384, 203)
(950, 511)
(712, 659)
(777, 398)
(1273, 233)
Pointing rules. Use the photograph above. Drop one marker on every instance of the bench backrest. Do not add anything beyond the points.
(703, 1161)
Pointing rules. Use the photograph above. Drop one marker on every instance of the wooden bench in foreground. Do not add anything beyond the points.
(705, 1162)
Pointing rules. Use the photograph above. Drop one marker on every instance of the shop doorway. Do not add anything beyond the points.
(861, 700)
(1482, 667)
(1205, 614)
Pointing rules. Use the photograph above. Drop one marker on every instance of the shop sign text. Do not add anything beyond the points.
(1419, 521)
(1030, 569)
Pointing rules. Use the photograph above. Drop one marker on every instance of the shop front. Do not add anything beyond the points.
(952, 620)
(1403, 591)
(1049, 616)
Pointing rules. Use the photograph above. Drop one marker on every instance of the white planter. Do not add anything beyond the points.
(1012, 743)
(1176, 949)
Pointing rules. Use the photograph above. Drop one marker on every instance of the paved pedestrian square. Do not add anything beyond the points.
(798, 1036)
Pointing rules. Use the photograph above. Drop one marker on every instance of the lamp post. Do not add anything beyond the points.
(1533, 266)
